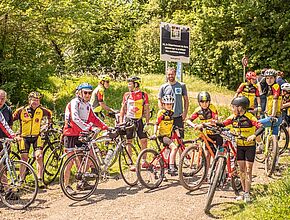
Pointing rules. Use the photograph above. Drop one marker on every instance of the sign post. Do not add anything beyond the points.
(245, 62)
(174, 44)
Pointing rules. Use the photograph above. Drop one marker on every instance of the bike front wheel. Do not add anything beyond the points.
(127, 164)
(18, 185)
(150, 168)
(52, 165)
(192, 167)
(217, 172)
(79, 176)
(271, 158)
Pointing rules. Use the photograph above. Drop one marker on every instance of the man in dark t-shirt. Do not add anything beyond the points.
(6, 111)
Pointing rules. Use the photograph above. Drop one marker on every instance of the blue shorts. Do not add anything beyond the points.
(267, 123)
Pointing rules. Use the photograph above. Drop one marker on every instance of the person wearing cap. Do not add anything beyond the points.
(98, 96)
(247, 126)
(30, 118)
(250, 90)
(79, 117)
(179, 92)
(280, 78)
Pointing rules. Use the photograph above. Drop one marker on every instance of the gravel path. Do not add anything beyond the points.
(114, 200)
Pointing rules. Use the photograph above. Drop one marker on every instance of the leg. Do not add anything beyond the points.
(242, 167)
(248, 180)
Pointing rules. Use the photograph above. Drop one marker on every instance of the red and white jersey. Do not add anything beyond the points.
(5, 127)
(79, 116)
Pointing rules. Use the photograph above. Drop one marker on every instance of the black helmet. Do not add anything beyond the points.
(203, 96)
(241, 101)
(134, 79)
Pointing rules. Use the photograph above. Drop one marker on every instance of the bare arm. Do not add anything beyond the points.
(104, 106)
(159, 104)
(123, 112)
(186, 104)
(147, 113)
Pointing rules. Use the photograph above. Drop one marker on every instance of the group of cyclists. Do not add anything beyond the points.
(83, 113)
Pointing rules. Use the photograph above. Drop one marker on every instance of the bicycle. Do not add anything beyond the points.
(283, 137)
(192, 175)
(270, 152)
(153, 174)
(18, 189)
(88, 164)
(224, 166)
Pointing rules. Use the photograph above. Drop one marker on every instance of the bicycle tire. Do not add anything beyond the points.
(14, 156)
(283, 138)
(126, 163)
(192, 161)
(216, 177)
(79, 174)
(271, 158)
(155, 167)
(19, 193)
(235, 180)
(52, 165)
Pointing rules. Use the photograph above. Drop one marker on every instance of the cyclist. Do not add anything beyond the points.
(30, 118)
(179, 92)
(6, 112)
(207, 112)
(247, 126)
(250, 90)
(273, 107)
(280, 78)
(135, 104)
(286, 103)
(263, 88)
(79, 117)
(164, 127)
(98, 96)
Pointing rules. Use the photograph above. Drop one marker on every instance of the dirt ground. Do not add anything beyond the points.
(114, 200)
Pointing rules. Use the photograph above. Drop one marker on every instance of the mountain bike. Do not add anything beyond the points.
(283, 137)
(192, 175)
(157, 161)
(87, 164)
(18, 181)
(224, 167)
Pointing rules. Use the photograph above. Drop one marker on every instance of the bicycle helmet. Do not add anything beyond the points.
(105, 78)
(85, 86)
(241, 101)
(34, 94)
(203, 96)
(251, 75)
(168, 99)
(285, 87)
(270, 72)
(134, 79)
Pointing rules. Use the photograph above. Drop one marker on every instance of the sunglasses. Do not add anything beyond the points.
(87, 93)
(107, 81)
(202, 101)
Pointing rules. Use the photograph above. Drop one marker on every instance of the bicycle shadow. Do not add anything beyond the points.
(202, 190)
(168, 183)
(225, 209)
(107, 194)
(36, 205)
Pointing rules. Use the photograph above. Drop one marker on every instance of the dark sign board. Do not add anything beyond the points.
(174, 43)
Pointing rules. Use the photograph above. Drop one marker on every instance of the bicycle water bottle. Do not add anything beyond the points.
(109, 156)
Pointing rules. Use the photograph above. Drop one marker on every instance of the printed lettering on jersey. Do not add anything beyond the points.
(178, 91)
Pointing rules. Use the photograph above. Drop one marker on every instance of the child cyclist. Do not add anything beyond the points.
(250, 90)
(206, 112)
(163, 128)
(247, 126)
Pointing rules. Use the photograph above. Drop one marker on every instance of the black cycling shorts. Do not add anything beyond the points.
(166, 141)
(130, 133)
(71, 142)
(246, 153)
(177, 121)
(26, 142)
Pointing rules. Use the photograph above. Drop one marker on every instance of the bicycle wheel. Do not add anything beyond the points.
(52, 165)
(283, 138)
(18, 191)
(127, 164)
(260, 157)
(150, 172)
(235, 180)
(192, 167)
(104, 144)
(14, 156)
(82, 176)
(271, 158)
(217, 170)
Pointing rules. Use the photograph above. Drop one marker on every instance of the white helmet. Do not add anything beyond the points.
(286, 87)
(168, 99)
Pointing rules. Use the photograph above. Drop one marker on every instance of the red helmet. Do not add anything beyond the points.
(251, 75)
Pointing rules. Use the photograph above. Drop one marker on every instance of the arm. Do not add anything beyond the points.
(5, 127)
(104, 106)
(123, 110)
(147, 113)
(186, 104)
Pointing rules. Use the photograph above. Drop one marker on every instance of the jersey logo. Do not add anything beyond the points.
(178, 91)
(135, 109)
